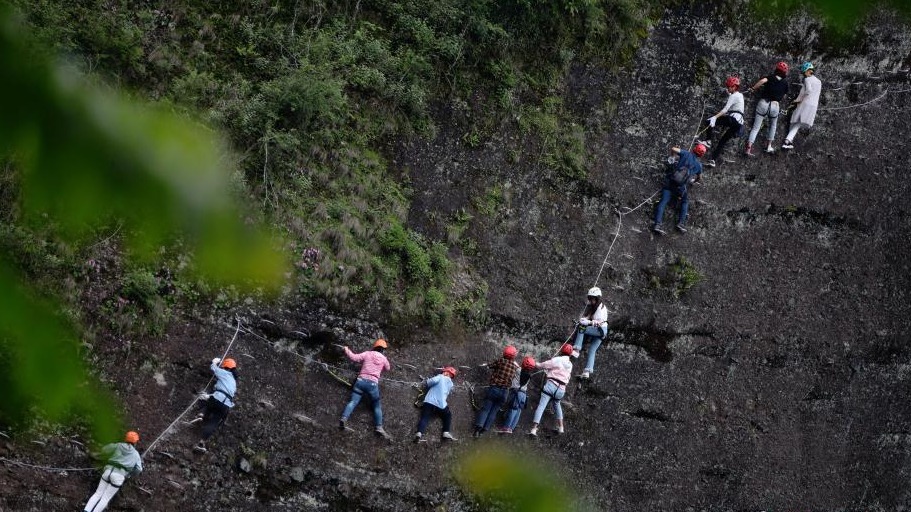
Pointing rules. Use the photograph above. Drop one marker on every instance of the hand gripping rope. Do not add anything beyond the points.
(622, 212)
(195, 399)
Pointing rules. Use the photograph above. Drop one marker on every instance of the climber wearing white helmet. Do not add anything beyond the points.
(592, 326)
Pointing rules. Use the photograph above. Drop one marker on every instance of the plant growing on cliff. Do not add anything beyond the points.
(86, 154)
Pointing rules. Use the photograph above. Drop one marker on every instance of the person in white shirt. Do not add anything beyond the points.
(807, 102)
(729, 119)
(592, 326)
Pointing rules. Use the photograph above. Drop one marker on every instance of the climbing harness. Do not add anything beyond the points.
(195, 399)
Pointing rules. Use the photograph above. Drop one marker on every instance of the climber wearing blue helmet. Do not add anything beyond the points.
(807, 101)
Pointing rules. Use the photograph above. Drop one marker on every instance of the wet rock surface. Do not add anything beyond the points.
(774, 382)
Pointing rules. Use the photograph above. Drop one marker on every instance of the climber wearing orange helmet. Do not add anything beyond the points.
(518, 396)
(558, 371)
(438, 389)
(504, 371)
(219, 403)
(121, 461)
(729, 118)
(684, 171)
(373, 363)
(772, 90)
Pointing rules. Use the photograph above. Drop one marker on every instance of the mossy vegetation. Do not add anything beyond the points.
(311, 92)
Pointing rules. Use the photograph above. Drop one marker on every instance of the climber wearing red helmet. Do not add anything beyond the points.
(121, 461)
(772, 90)
(684, 171)
(504, 371)
(558, 371)
(438, 389)
(729, 119)
(518, 395)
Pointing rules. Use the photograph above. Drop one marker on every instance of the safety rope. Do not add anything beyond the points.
(195, 399)
(42, 468)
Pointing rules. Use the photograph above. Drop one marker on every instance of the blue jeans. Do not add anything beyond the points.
(596, 335)
(683, 201)
(365, 387)
(551, 390)
(496, 397)
(519, 398)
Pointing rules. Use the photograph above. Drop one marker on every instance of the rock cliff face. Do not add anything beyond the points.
(757, 362)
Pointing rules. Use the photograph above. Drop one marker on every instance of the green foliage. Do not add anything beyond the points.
(491, 202)
(510, 481)
(841, 15)
(684, 275)
(80, 155)
(562, 141)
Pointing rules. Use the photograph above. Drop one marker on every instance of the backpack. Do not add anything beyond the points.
(679, 175)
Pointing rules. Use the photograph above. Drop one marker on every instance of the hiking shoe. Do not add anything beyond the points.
(477, 432)
(200, 447)
(559, 429)
(419, 438)
(504, 430)
(533, 432)
(787, 145)
(342, 424)
(380, 431)
(575, 354)
(769, 150)
(749, 151)
(681, 228)
(658, 229)
(710, 163)
(446, 436)
(586, 375)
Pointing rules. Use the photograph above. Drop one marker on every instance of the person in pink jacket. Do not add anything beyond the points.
(558, 371)
(373, 363)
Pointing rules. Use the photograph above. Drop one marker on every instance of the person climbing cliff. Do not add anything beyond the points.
(219, 403)
(558, 371)
(438, 389)
(729, 119)
(680, 175)
(503, 371)
(592, 327)
(772, 90)
(807, 102)
(121, 462)
(373, 363)
(518, 396)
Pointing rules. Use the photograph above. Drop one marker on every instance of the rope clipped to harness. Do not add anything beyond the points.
(193, 403)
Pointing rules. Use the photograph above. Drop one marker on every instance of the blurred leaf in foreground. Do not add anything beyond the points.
(511, 481)
(86, 155)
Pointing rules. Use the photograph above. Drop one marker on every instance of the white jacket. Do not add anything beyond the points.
(809, 100)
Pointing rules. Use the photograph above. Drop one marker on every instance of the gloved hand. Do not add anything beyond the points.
(216, 360)
(712, 121)
(585, 321)
(204, 396)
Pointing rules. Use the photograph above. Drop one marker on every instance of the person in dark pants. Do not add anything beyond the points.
(438, 389)
(729, 119)
(503, 371)
(686, 170)
(220, 402)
